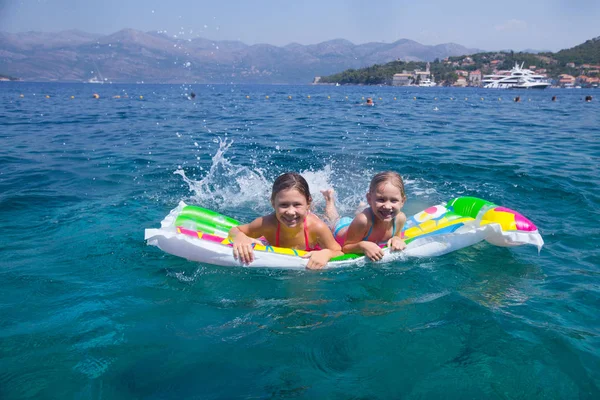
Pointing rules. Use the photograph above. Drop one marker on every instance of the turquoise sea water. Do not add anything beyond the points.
(87, 310)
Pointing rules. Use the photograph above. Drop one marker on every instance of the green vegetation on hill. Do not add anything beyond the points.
(445, 72)
(585, 53)
(382, 74)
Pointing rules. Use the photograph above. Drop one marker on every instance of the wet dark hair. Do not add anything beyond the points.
(291, 180)
(388, 176)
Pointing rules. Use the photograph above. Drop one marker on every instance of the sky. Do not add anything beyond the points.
(500, 25)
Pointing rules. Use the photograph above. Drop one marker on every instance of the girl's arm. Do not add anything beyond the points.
(242, 239)
(396, 242)
(354, 243)
(329, 247)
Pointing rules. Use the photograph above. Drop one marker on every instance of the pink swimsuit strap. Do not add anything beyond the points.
(306, 245)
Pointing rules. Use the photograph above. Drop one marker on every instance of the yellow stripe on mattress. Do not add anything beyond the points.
(272, 249)
(432, 226)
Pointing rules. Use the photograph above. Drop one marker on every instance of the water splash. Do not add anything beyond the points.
(235, 185)
(229, 187)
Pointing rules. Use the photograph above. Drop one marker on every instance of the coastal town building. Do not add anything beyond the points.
(461, 82)
(566, 80)
(403, 79)
(467, 61)
(416, 77)
(475, 78)
(421, 75)
(588, 80)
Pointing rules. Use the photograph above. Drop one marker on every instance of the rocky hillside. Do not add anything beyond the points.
(134, 56)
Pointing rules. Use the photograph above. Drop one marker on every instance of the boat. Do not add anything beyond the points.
(94, 80)
(201, 235)
(427, 83)
(517, 78)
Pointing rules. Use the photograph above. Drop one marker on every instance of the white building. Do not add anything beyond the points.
(401, 79)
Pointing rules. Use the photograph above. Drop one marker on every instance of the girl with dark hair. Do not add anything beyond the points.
(291, 225)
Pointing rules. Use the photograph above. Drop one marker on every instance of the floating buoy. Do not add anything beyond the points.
(141, 97)
(328, 97)
(247, 97)
(346, 97)
(290, 97)
(482, 99)
(22, 96)
(466, 98)
(267, 97)
(308, 97)
(414, 98)
(47, 96)
(499, 98)
(95, 96)
(72, 97)
(362, 98)
(116, 97)
(435, 98)
(380, 98)
(394, 98)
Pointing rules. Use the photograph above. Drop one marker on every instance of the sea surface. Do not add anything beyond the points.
(89, 311)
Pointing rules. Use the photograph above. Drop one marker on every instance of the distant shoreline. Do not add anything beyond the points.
(199, 85)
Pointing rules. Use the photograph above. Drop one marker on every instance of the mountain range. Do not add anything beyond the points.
(154, 57)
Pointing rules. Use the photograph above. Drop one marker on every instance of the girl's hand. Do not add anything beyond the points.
(243, 249)
(317, 259)
(396, 244)
(372, 251)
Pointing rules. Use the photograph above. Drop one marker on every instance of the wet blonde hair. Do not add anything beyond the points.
(391, 177)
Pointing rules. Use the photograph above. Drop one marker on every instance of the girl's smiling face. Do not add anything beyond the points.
(386, 201)
(291, 207)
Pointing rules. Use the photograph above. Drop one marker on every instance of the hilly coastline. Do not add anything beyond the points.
(577, 65)
(154, 57)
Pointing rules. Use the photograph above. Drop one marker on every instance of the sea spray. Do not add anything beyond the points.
(228, 185)
(245, 191)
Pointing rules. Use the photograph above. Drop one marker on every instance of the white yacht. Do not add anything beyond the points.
(427, 83)
(516, 78)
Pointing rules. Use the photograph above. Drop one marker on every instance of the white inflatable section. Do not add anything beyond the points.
(167, 239)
